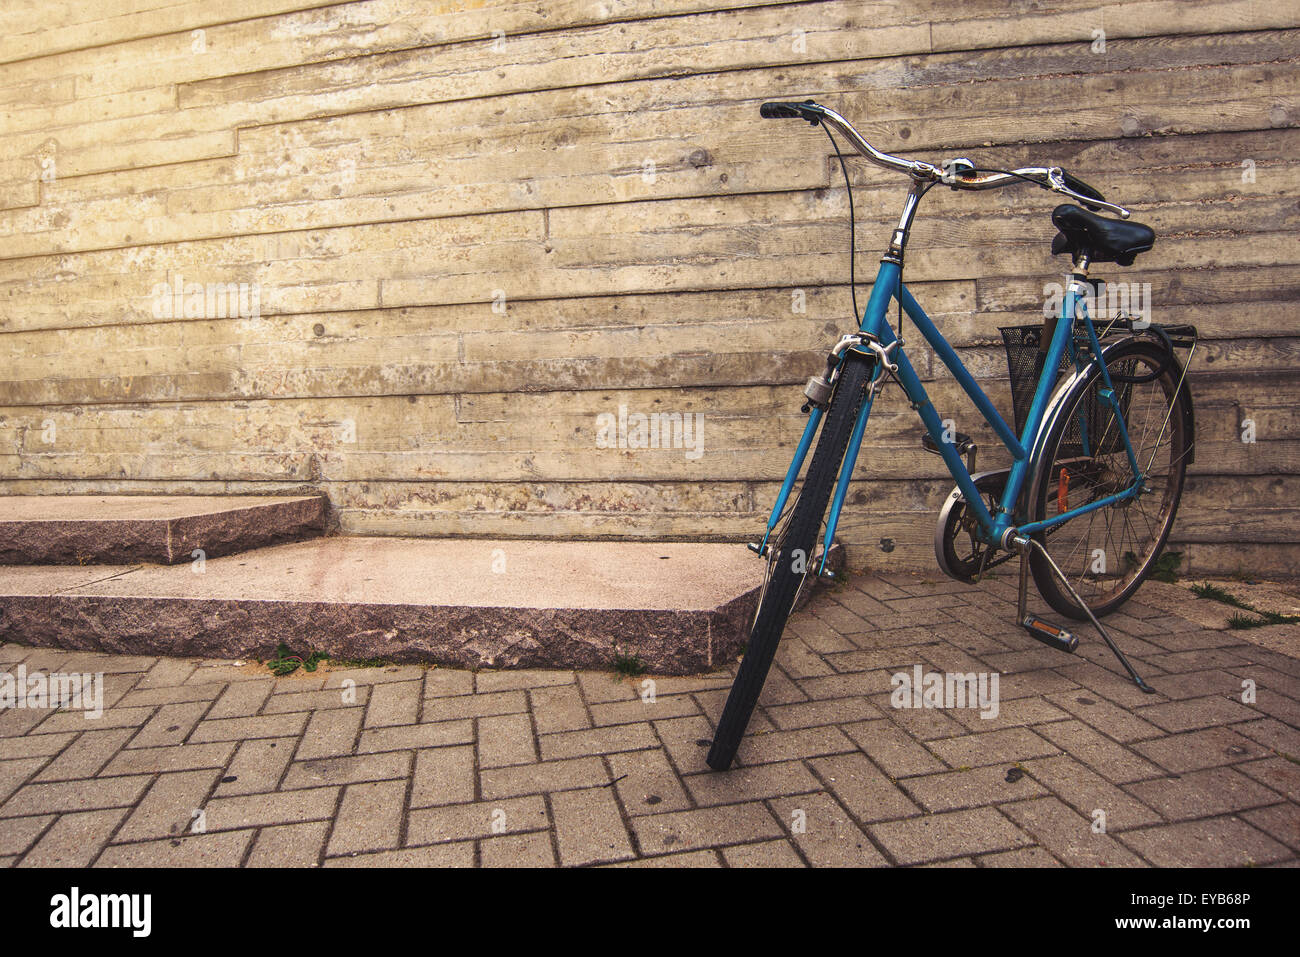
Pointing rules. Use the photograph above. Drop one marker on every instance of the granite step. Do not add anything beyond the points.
(679, 607)
(160, 529)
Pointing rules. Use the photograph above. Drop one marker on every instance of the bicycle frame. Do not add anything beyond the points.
(889, 288)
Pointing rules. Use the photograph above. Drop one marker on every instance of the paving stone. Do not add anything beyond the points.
(475, 706)
(1197, 750)
(1109, 759)
(394, 703)
(257, 766)
(369, 818)
(687, 742)
(1217, 842)
(506, 739)
(589, 828)
(923, 724)
(766, 747)
(330, 733)
(432, 856)
(68, 796)
(619, 737)
(168, 673)
(763, 854)
(754, 783)
(338, 677)
(458, 822)
(705, 828)
(235, 729)
(517, 850)
(445, 682)
(82, 721)
(486, 682)
(1197, 713)
(170, 806)
(559, 708)
(241, 699)
(86, 756)
(262, 810)
(868, 793)
(348, 769)
(1069, 835)
(289, 845)
(74, 840)
(547, 776)
(1105, 716)
(953, 834)
(627, 712)
(824, 832)
(689, 859)
(953, 790)
(892, 750)
(1280, 822)
(443, 776)
(811, 714)
(1281, 775)
(321, 700)
(647, 783)
(19, 833)
(1281, 738)
(993, 747)
(32, 746)
(1202, 793)
(192, 850)
(1086, 791)
(416, 736)
(1025, 857)
(171, 724)
(599, 687)
(152, 697)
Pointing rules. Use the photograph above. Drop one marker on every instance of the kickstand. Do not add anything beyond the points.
(1024, 567)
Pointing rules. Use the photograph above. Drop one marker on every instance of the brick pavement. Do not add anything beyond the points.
(203, 763)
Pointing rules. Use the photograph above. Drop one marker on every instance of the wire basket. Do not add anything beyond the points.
(1093, 429)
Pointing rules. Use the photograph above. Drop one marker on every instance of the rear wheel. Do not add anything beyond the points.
(1107, 553)
(791, 560)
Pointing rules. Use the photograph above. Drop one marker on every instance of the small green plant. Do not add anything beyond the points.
(359, 662)
(1166, 567)
(286, 662)
(1215, 593)
(1238, 621)
(628, 666)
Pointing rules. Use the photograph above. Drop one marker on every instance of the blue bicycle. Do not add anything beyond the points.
(1104, 432)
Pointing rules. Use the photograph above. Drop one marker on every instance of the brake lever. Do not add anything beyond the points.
(1056, 183)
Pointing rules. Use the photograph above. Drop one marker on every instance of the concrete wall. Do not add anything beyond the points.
(472, 229)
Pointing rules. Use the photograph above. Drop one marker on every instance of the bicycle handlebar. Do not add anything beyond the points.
(959, 174)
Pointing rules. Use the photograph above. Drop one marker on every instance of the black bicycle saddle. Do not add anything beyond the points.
(1100, 239)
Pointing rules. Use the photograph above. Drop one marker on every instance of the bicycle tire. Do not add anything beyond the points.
(783, 586)
(1068, 472)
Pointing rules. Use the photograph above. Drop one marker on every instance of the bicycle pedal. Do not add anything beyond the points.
(757, 549)
(1049, 634)
(961, 442)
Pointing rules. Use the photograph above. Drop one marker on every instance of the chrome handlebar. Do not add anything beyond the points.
(953, 173)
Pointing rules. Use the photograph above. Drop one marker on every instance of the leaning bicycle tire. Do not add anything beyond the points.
(784, 582)
(1156, 405)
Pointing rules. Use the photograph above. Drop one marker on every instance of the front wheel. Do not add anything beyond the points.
(791, 558)
(1107, 553)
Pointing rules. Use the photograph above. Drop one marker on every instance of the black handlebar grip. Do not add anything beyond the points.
(780, 111)
(1079, 186)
